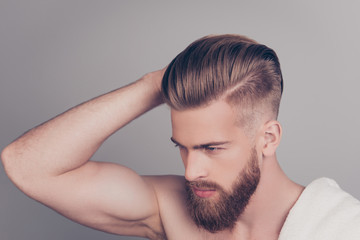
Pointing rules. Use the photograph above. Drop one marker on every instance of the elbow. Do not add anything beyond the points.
(18, 169)
(5, 159)
(10, 162)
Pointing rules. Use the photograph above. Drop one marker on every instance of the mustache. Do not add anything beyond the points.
(202, 184)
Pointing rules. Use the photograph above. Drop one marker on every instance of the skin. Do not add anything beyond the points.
(51, 163)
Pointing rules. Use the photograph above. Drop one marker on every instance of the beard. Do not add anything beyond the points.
(222, 213)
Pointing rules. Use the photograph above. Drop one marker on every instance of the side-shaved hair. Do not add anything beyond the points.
(232, 67)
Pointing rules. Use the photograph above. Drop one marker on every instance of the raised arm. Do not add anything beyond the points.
(50, 163)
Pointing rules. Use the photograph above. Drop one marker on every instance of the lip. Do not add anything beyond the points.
(204, 193)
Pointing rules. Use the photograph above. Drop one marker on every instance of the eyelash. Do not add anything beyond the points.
(211, 148)
(178, 146)
(205, 148)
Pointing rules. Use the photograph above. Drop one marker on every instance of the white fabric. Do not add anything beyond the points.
(323, 212)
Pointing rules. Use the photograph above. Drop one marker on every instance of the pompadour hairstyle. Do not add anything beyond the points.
(233, 67)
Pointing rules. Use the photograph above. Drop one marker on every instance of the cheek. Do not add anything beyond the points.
(229, 167)
(234, 159)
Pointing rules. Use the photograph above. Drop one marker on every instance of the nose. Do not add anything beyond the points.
(195, 166)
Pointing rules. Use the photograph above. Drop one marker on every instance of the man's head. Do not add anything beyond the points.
(222, 90)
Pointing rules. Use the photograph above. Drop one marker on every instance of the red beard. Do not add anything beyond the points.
(222, 213)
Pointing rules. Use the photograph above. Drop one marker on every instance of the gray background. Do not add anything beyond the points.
(56, 54)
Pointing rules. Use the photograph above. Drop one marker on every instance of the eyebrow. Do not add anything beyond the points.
(204, 145)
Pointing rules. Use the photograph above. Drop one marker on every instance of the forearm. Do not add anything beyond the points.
(69, 140)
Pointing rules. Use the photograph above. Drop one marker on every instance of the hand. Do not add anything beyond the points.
(155, 79)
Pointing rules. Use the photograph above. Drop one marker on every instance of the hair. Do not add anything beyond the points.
(232, 67)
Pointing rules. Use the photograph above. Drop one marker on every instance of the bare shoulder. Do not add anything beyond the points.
(167, 183)
(169, 189)
(171, 196)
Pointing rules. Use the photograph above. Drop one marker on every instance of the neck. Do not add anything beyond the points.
(269, 206)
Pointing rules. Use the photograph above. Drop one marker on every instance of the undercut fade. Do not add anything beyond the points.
(232, 67)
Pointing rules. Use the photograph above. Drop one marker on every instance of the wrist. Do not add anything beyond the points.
(152, 82)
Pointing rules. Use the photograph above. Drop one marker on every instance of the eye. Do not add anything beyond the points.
(179, 146)
(212, 149)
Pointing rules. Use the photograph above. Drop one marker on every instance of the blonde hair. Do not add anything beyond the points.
(234, 67)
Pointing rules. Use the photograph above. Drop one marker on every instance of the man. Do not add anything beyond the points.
(224, 92)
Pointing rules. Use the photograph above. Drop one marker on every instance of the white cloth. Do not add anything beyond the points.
(323, 212)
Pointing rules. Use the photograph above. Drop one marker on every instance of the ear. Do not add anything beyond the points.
(271, 135)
